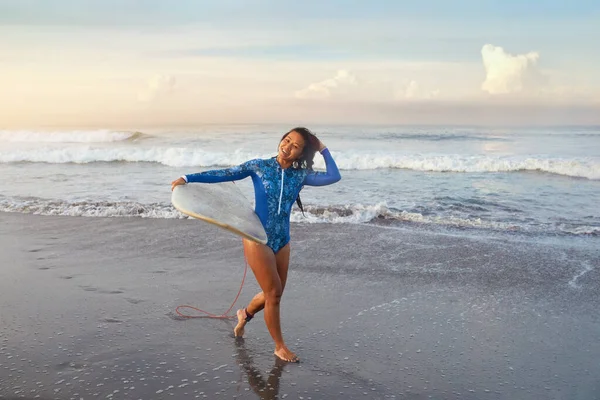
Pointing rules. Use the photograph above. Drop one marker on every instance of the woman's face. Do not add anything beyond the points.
(291, 147)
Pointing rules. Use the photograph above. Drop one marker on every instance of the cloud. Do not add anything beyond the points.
(507, 73)
(414, 91)
(324, 89)
(157, 86)
(346, 86)
(411, 90)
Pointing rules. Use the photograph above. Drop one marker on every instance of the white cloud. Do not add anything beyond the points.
(158, 85)
(411, 90)
(372, 85)
(414, 91)
(328, 87)
(507, 73)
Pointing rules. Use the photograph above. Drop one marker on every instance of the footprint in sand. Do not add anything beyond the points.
(176, 317)
(111, 320)
(67, 365)
(95, 289)
(134, 301)
(111, 291)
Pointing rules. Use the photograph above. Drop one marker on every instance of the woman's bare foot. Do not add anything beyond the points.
(286, 354)
(238, 331)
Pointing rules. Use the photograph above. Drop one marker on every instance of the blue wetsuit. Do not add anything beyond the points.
(275, 190)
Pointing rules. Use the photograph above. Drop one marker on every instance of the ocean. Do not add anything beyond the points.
(533, 181)
(448, 263)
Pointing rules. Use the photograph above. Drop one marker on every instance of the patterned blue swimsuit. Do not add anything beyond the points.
(275, 190)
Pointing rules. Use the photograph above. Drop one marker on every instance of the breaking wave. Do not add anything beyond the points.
(351, 214)
(98, 136)
(588, 168)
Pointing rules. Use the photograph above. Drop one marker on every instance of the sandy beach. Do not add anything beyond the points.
(437, 166)
(87, 310)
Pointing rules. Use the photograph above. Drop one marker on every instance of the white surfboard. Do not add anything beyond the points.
(221, 204)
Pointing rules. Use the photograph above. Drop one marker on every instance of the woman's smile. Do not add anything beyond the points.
(291, 147)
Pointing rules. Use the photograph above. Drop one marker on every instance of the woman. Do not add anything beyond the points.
(277, 184)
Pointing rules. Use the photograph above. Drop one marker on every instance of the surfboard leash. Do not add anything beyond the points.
(225, 315)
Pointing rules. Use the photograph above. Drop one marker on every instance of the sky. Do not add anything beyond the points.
(151, 63)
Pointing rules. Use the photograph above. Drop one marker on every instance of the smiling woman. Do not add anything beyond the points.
(277, 184)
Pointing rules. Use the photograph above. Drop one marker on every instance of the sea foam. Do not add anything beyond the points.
(349, 214)
(580, 167)
(97, 136)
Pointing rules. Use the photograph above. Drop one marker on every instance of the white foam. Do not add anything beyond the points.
(454, 221)
(97, 136)
(359, 213)
(587, 267)
(576, 167)
(90, 209)
(351, 214)
(350, 160)
(355, 214)
(174, 157)
(581, 230)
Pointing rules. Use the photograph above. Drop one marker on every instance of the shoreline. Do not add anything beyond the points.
(88, 310)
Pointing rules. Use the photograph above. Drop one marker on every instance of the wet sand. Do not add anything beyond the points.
(87, 310)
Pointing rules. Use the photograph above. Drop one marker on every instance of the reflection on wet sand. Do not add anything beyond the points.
(265, 389)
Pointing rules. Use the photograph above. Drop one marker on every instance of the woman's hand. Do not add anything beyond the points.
(321, 146)
(177, 182)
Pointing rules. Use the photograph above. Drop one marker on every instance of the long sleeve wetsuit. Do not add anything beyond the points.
(275, 190)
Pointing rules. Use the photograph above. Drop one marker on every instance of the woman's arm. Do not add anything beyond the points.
(330, 176)
(217, 175)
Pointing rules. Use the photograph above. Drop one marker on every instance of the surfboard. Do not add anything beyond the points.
(220, 204)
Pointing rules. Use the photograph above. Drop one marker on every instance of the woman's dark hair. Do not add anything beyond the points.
(306, 160)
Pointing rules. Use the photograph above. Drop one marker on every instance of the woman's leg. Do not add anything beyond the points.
(264, 265)
(282, 259)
